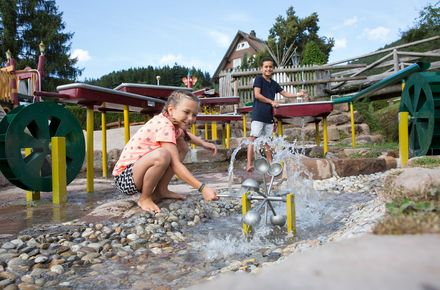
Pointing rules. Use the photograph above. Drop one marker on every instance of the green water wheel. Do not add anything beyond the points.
(421, 99)
(25, 144)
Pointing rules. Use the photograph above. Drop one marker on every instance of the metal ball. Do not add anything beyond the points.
(278, 220)
(251, 218)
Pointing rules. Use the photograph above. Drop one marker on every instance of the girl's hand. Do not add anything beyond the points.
(209, 194)
(210, 147)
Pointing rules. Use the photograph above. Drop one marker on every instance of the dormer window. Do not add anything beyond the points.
(242, 45)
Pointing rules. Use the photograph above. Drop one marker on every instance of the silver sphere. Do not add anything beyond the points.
(261, 165)
(278, 220)
(250, 183)
(251, 218)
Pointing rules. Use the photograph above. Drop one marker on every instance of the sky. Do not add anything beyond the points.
(112, 35)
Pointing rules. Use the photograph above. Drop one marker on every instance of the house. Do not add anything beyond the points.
(242, 44)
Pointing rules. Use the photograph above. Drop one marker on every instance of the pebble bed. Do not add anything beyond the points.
(147, 251)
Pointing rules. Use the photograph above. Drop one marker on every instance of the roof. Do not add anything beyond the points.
(254, 42)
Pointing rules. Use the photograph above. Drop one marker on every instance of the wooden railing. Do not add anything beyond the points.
(322, 81)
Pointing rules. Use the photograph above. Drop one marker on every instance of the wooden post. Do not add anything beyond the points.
(59, 179)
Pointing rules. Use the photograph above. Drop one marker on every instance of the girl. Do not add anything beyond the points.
(155, 153)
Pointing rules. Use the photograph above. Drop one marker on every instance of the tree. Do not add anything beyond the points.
(292, 31)
(426, 25)
(24, 24)
(312, 54)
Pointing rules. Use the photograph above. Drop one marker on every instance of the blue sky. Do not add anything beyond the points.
(111, 35)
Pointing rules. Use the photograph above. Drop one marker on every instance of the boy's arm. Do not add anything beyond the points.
(200, 142)
(263, 99)
(287, 94)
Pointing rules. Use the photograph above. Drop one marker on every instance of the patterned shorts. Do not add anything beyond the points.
(124, 181)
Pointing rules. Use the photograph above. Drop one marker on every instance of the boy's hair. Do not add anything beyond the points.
(266, 58)
(177, 96)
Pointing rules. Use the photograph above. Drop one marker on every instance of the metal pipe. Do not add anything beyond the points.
(271, 198)
(416, 67)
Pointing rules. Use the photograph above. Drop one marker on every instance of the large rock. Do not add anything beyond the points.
(416, 183)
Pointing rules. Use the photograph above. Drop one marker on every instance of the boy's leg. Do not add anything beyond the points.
(162, 190)
(250, 155)
(147, 171)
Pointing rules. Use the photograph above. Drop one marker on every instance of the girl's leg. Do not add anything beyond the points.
(162, 187)
(147, 171)
(268, 153)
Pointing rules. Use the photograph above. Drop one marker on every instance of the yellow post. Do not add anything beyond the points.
(353, 129)
(403, 138)
(31, 195)
(324, 130)
(214, 131)
(228, 135)
(104, 144)
(291, 214)
(56, 214)
(89, 134)
(244, 125)
(126, 125)
(317, 137)
(59, 179)
(205, 111)
(193, 131)
(280, 128)
(245, 207)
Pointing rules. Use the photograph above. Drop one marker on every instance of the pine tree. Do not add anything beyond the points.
(24, 24)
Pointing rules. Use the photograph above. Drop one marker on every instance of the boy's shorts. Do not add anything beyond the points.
(124, 181)
(261, 129)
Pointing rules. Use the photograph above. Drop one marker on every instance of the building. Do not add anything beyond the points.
(242, 44)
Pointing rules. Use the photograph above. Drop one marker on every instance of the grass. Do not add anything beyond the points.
(426, 162)
(409, 212)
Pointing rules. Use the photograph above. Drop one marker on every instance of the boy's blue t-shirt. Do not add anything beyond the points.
(262, 111)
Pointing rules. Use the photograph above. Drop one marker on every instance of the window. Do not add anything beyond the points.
(242, 45)
(236, 62)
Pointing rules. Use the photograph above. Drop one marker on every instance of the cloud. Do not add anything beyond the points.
(238, 17)
(351, 21)
(378, 33)
(340, 43)
(170, 59)
(222, 39)
(81, 55)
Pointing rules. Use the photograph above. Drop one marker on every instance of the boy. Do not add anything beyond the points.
(265, 89)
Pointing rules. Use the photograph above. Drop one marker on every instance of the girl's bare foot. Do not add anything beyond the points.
(147, 204)
(168, 194)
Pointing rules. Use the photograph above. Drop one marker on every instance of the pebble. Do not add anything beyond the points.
(40, 260)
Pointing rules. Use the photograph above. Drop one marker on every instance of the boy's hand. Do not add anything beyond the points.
(275, 104)
(210, 146)
(209, 194)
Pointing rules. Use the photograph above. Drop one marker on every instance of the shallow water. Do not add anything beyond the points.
(215, 244)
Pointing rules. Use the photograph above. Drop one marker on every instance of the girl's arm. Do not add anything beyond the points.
(202, 143)
(183, 173)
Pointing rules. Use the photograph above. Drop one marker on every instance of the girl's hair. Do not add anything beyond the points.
(177, 96)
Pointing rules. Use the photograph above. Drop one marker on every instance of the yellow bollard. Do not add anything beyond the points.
(104, 144)
(56, 214)
(324, 129)
(245, 207)
(228, 135)
(280, 128)
(126, 125)
(317, 137)
(403, 138)
(244, 125)
(31, 195)
(353, 129)
(291, 214)
(193, 131)
(214, 131)
(59, 179)
(89, 133)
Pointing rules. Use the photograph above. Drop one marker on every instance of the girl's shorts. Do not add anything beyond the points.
(124, 181)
